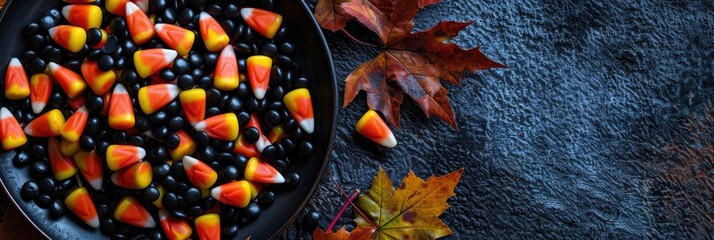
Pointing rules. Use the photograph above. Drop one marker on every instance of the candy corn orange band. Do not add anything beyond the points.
(11, 134)
(46, 125)
(277, 134)
(131, 212)
(74, 126)
(40, 91)
(186, 146)
(245, 148)
(85, 16)
(226, 74)
(214, 37)
(62, 166)
(151, 61)
(69, 37)
(372, 126)
(71, 82)
(99, 81)
(80, 203)
(140, 27)
(223, 127)
(91, 167)
(260, 171)
(264, 22)
(200, 174)
(16, 84)
(259, 68)
(138, 176)
(208, 227)
(178, 38)
(299, 104)
(193, 103)
(174, 229)
(76, 103)
(121, 111)
(121, 156)
(116, 7)
(233, 193)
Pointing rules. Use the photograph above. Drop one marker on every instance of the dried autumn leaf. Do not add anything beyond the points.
(410, 211)
(330, 15)
(410, 63)
(359, 233)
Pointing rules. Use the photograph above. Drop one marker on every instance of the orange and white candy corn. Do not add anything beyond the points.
(235, 193)
(121, 156)
(138, 176)
(116, 7)
(259, 68)
(186, 146)
(121, 111)
(222, 127)
(174, 229)
(69, 37)
(178, 38)
(85, 16)
(16, 84)
(372, 126)
(208, 227)
(11, 134)
(99, 81)
(214, 37)
(131, 212)
(260, 171)
(80, 203)
(91, 167)
(140, 27)
(245, 148)
(225, 77)
(264, 22)
(71, 82)
(151, 61)
(299, 104)
(69, 148)
(262, 140)
(62, 166)
(193, 103)
(154, 97)
(40, 91)
(46, 125)
(201, 175)
(74, 126)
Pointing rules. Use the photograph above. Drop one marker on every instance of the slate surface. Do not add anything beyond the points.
(602, 127)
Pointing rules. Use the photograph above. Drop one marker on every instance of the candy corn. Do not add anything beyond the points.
(260, 171)
(16, 84)
(140, 27)
(214, 37)
(374, 128)
(226, 75)
(40, 91)
(245, 148)
(264, 22)
(69, 37)
(222, 127)
(80, 203)
(174, 229)
(255, 189)
(235, 193)
(76, 103)
(121, 156)
(11, 134)
(116, 7)
(131, 212)
(74, 126)
(99, 81)
(201, 175)
(69, 148)
(148, 62)
(62, 166)
(158, 203)
(85, 16)
(121, 111)
(193, 103)
(262, 140)
(103, 41)
(208, 227)
(138, 176)
(259, 68)
(154, 97)
(46, 125)
(186, 146)
(91, 167)
(178, 38)
(71, 82)
(299, 104)
(277, 134)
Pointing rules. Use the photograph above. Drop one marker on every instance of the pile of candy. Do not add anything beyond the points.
(188, 112)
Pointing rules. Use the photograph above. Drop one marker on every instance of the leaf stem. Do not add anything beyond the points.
(344, 207)
(354, 39)
(344, 194)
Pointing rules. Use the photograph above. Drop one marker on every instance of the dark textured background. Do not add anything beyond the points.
(602, 127)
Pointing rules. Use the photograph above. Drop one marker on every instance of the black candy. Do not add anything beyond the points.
(30, 190)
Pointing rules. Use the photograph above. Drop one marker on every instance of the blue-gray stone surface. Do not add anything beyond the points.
(603, 126)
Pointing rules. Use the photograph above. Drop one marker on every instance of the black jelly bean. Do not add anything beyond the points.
(158, 117)
(228, 25)
(169, 15)
(108, 226)
(281, 34)
(269, 49)
(22, 159)
(120, 63)
(305, 149)
(300, 82)
(205, 82)
(176, 123)
(287, 49)
(31, 28)
(177, 170)
(229, 231)
(195, 211)
(173, 108)
(43, 201)
(38, 151)
(195, 59)
(38, 41)
(117, 24)
(169, 201)
(292, 179)
(161, 171)
(231, 10)
(135, 140)
(279, 164)
(30, 190)
(272, 118)
(214, 10)
(37, 65)
(111, 45)
(251, 135)
(213, 111)
(243, 118)
(56, 209)
(229, 173)
(157, 5)
(210, 59)
(160, 153)
(269, 153)
(94, 36)
(167, 75)
(47, 22)
(156, 235)
(103, 210)
(47, 184)
(179, 214)
(181, 66)
(105, 63)
(150, 194)
(129, 76)
(186, 82)
(192, 196)
(266, 198)
(208, 153)
(201, 138)
(252, 211)
(173, 141)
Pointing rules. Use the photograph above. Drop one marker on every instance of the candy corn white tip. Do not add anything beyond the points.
(120, 89)
(52, 31)
(66, 10)
(115, 178)
(308, 125)
(5, 113)
(279, 178)
(96, 183)
(131, 8)
(216, 192)
(169, 55)
(200, 126)
(246, 12)
(189, 162)
(173, 90)
(28, 130)
(204, 16)
(259, 93)
(159, 26)
(37, 107)
(94, 222)
(82, 109)
(140, 152)
(262, 143)
(53, 66)
(390, 141)
(149, 134)
(14, 62)
(228, 51)
(150, 223)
